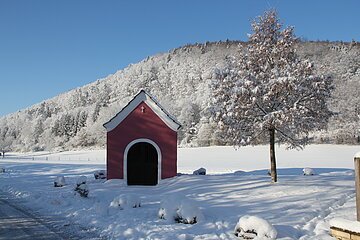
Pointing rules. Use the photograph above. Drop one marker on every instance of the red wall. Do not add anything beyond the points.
(141, 125)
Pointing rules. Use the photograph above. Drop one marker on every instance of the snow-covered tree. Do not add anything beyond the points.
(269, 92)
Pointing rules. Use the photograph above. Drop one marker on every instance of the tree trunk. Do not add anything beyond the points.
(272, 155)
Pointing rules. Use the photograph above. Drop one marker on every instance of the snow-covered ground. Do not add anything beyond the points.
(298, 206)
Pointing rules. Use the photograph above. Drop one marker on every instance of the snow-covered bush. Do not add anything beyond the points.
(180, 210)
(100, 174)
(81, 186)
(253, 227)
(188, 213)
(59, 181)
(308, 171)
(200, 171)
(2, 170)
(126, 201)
(82, 189)
(169, 207)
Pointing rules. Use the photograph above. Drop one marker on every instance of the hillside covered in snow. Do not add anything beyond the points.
(180, 80)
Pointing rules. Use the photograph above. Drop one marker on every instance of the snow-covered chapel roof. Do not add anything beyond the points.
(143, 96)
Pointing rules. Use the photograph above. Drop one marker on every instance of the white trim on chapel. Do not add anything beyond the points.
(138, 141)
(143, 96)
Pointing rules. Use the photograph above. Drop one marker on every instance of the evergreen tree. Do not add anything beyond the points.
(270, 92)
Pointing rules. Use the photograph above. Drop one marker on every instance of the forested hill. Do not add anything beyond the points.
(180, 80)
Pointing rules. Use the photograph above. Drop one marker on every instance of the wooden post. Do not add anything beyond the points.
(357, 186)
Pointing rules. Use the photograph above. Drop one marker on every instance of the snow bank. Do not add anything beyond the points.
(339, 173)
(239, 172)
(352, 226)
(253, 227)
(115, 182)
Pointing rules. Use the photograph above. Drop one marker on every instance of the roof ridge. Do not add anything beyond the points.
(110, 125)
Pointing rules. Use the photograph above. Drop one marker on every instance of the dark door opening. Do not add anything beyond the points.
(142, 164)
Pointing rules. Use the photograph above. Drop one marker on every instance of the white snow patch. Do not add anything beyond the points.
(81, 180)
(126, 201)
(353, 226)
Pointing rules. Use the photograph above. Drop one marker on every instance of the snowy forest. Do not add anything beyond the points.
(180, 80)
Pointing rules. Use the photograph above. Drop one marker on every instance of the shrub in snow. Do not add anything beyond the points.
(100, 174)
(180, 211)
(59, 181)
(168, 207)
(252, 227)
(81, 186)
(82, 189)
(2, 170)
(308, 171)
(126, 200)
(200, 171)
(188, 213)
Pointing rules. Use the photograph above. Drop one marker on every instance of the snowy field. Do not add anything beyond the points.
(237, 184)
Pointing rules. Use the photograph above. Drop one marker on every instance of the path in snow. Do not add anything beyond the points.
(311, 227)
(18, 223)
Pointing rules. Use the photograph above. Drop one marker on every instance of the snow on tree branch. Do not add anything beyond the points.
(270, 87)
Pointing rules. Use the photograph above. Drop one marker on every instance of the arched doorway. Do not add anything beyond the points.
(142, 164)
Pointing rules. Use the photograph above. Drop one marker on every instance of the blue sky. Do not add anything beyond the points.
(48, 47)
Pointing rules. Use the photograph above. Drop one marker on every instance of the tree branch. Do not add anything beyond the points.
(293, 141)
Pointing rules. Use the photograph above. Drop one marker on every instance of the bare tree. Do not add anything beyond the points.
(269, 92)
